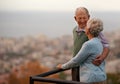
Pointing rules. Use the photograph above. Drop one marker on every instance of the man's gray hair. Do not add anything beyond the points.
(95, 26)
(82, 8)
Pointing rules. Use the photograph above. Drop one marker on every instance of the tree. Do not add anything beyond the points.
(21, 75)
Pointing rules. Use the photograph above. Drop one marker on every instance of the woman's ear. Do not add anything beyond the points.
(87, 31)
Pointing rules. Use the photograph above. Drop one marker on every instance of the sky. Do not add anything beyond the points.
(58, 5)
(52, 13)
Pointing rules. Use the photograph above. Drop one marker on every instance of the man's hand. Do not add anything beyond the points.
(59, 66)
(98, 60)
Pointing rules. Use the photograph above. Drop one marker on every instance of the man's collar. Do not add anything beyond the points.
(78, 30)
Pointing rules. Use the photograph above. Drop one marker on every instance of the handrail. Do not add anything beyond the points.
(40, 78)
(51, 72)
(51, 80)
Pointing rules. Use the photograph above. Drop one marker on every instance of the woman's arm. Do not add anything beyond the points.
(79, 58)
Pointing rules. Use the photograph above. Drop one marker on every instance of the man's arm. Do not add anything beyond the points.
(105, 52)
(101, 57)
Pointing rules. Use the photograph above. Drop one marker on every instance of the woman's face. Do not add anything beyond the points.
(86, 30)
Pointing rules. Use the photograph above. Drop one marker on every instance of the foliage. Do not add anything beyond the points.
(62, 75)
(22, 74)
(113, 78)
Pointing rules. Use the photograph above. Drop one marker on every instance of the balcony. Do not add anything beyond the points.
(41, 78)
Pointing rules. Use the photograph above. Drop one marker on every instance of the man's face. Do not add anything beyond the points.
(81, 18)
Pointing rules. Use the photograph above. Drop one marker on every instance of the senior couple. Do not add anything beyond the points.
(90, 49)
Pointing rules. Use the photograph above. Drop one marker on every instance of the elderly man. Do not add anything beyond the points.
(81, 17)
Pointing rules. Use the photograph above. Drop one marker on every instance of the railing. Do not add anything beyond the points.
(41, 78)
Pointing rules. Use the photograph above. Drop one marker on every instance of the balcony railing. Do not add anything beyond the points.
(41, 78)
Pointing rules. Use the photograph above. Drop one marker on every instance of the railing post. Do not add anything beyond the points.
(31, 80)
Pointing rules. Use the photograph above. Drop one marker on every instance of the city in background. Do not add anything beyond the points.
(35, 36)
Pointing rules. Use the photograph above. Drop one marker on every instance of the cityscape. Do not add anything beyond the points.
(18, 56)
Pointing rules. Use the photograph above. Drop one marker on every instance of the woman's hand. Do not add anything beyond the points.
(59, 66)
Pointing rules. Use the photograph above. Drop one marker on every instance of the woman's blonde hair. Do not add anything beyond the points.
(95, 26)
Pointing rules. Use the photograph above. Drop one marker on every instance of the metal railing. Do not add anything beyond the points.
(41, 78)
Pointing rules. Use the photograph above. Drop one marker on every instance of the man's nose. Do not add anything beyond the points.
(82, 20)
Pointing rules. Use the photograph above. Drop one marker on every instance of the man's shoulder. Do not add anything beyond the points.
(75, 28)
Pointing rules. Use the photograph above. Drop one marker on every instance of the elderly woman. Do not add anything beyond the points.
(89, 73)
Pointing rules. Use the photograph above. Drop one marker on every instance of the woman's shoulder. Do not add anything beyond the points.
(92, 42)
(87, 44)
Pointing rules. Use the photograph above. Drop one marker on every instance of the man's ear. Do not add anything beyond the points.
(89, 16)
(75, 17)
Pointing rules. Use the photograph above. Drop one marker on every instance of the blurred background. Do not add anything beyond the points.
(36, 35)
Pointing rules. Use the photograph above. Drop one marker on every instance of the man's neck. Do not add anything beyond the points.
(81, 27)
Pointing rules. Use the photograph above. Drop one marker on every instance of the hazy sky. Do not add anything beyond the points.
(59, 5)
